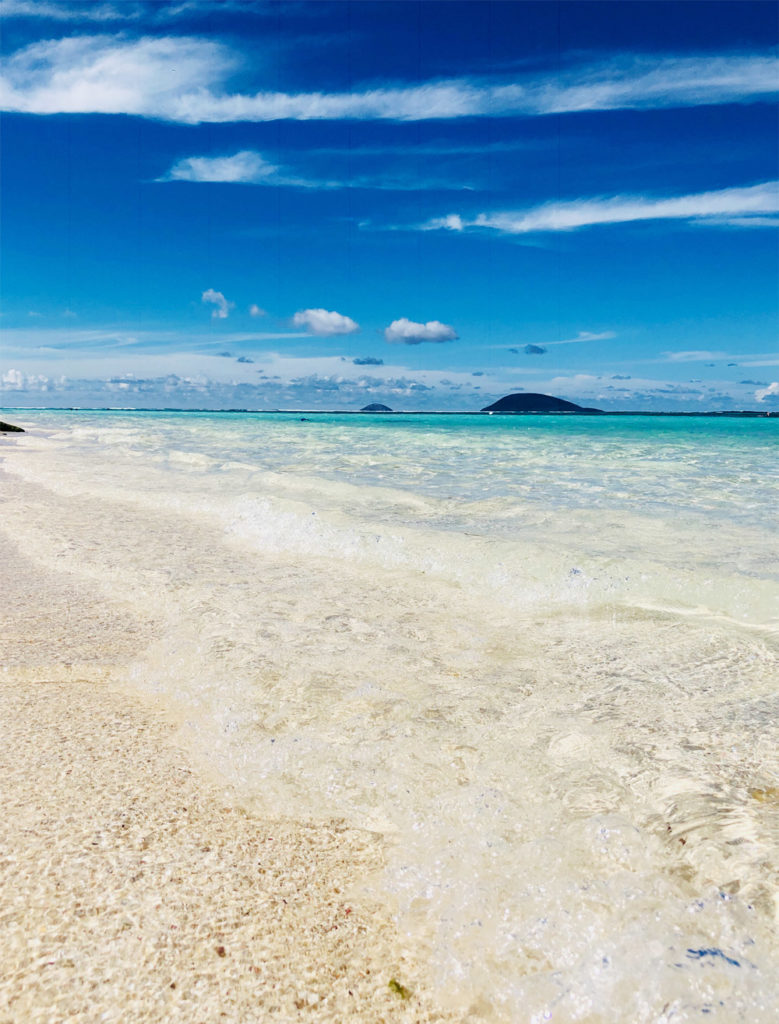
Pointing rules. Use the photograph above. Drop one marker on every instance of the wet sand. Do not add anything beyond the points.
(133, 887)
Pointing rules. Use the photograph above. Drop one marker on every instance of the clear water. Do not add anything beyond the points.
(537, 654)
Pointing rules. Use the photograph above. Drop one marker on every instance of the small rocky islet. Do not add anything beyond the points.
(535, 403)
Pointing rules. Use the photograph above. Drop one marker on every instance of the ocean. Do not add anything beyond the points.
(536, 654)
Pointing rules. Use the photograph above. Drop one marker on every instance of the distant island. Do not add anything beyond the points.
(535, 403)
(375, 407)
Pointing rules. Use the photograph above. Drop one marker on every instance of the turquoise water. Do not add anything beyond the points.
(538, 655)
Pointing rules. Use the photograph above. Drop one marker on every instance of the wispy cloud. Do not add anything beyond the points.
(186, 79)
(112, 75)
(248, 167)
(244, 168)
(408, 332)
(693, 356)
(69, 11)
(746, 204)
(585, 336)
(324, 322)
(65, 344)
(124, 10)
(222, 307)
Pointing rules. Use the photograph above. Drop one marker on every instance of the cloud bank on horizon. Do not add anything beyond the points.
(550, 198)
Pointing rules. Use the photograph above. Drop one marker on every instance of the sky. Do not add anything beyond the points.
(425, 204)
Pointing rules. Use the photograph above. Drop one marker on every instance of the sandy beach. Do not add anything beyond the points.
(135, 888)
(279, 741)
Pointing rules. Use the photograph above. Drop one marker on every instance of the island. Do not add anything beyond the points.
(536, 403)
(9, 428)
(375, 407)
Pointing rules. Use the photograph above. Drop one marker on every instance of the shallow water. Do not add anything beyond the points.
(538, 654)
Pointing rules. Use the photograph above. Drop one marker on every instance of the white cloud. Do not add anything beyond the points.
(111, 75)
(182, 369)
(16, 380)
(452, 222)
(324, 322)
(632, 82)
(186, 79)
(763, 393)
(12, 379)
(747, 222)
(244, 168)
(694, 356)
(122, 10)
(407, 332)
(249, 167)
(255, 310)
(67, 12)
(222, 306)
(745, 203)
(584, 336)
(772, 360)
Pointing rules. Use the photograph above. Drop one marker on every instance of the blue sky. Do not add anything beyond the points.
(321, 205)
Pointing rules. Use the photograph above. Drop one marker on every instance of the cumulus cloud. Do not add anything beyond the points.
(222, 306)
(186, 79)
(763, 393)
(534, 350)
(324, 322)
(12, 379)
(368, 361)
(737, 207)
(407, 332)
(255, 310)
(17, 380)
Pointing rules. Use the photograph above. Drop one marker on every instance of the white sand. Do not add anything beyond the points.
(134, 889)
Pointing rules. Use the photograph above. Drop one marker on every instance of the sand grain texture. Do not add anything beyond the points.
(131, 892)
(132, 888)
